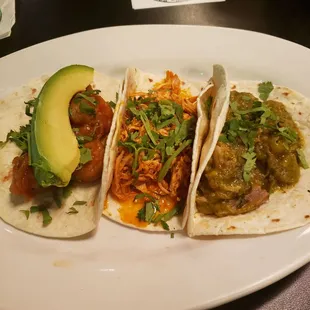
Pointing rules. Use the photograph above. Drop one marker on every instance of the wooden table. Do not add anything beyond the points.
(41, 20)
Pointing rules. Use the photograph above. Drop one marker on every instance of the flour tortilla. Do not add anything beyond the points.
(136, 80)
(283, 211)
(12, 116)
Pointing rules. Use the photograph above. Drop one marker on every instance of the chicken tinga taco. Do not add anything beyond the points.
(52, 159)
(154, 150)
(254, 179)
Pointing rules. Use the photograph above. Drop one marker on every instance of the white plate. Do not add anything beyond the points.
(120, 268)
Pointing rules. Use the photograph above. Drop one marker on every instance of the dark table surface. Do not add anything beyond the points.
(41, 20)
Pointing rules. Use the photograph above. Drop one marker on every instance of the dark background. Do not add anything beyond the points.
(41, 20)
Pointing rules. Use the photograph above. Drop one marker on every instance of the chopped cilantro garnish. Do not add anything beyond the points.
(165, 225)
(57, 196)
(172, 235)
(72, 210)
(20, 138)
(302, 159)
(166, 166)
(87, 96)
(26, 212)
(249, 165)
(67, 191)
(264, 90)
(87, 109)
(47, 219)
(30, 105)
(83, 139)
(288, 133)
(80, 203)
(112, 104)
(85, 155)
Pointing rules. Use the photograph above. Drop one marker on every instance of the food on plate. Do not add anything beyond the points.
(52, 159)
(155, 150)
(254, 177)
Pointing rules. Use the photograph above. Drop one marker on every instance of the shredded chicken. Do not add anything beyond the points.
(125, 184)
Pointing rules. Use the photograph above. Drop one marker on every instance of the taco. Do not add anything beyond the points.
(254, 178)
(154, 153)
(51, 161)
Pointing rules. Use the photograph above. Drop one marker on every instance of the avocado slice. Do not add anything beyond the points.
(53, 148)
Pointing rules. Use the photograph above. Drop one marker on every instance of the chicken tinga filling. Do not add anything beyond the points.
(153, 163)
(90, 118)
(258, 152)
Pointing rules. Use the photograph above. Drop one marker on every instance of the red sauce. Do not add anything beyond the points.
(23, 182)
(8, 176)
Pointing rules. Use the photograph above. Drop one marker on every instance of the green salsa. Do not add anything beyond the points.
(258, 153)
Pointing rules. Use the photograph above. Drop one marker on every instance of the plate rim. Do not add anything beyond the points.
(273, 278)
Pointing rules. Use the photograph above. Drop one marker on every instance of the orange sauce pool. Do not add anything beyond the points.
(129, 209)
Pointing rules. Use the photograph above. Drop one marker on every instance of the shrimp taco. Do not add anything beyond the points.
(155, 150)
(52, 158)
(254, 177)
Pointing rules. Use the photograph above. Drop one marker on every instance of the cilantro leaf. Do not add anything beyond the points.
(83, 139)
(87, 96)
(147, 126)
(112, 104)
(166, 166)
(26, 212)
(20, 138)
(87, 109)
(249, 165)
(80, 203)
(141, 214)
(57, 196)
(47, 219)
(30, 105)
(302, 159)
(169, 215)
(264, 90)
(166, 123)
(150, 211)
(72, 210)
(288, 133)
(67, 191)
(223, 138)
(165, 225)
(166, 109)
(85, 155)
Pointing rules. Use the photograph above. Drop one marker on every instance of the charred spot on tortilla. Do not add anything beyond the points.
(259, 152)
(153, 161)
(275, 220)
(307, 216)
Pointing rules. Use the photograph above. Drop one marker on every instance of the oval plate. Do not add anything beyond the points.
(119, 268)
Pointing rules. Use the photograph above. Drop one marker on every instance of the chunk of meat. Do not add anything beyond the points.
(78, 117)
(180, 173)
(285, 168)
(97, 122)
(248, 203)
(92, 170)
(23, 180)
(104, 116)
